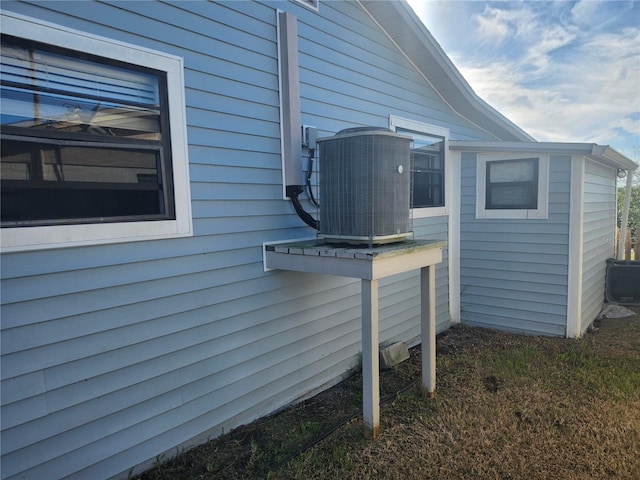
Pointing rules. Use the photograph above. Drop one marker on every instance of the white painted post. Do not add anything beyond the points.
(428, 329)
(370, 361)
(625, 217)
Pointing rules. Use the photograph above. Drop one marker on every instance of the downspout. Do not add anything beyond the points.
(625, 216)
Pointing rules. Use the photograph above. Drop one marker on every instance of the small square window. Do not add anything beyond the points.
(511, 187)
(512, 184)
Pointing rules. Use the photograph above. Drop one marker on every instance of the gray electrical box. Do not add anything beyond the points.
(623, 282)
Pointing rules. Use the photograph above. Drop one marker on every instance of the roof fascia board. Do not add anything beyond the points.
(613, 156)
(600, 153)
(543, 147)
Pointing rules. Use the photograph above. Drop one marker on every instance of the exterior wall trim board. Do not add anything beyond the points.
(576, 213)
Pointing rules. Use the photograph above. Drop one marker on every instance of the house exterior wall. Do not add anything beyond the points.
(598, 242)
(115, 354)
(513, 272)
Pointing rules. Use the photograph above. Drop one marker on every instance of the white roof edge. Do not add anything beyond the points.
(613, 156)
(600, 153)
(543, 147)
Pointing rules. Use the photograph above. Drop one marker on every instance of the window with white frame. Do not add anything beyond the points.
(429, 166)
(511, 187)
(93, 142)
(512, 184)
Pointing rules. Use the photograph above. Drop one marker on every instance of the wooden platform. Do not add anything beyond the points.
(363, 262)
(370, 264)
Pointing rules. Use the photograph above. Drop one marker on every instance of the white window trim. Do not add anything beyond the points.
(542, 212)
(37, 238)
(310, 4)
(396, 122)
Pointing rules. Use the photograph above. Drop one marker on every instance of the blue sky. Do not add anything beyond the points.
(563, 71)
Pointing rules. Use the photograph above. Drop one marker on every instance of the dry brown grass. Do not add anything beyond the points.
(507, 407)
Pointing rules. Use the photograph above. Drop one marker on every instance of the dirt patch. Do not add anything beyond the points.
(507, 406)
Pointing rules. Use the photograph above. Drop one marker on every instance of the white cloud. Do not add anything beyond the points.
(547, 39)
(562, 72)
(523, 28)
(584, 11)
(589, 96)
(496, 25)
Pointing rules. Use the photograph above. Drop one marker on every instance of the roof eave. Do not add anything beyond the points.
(542, 147)
(600, 153)
(606, 154)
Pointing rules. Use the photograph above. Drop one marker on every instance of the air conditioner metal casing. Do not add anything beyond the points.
(365, 186)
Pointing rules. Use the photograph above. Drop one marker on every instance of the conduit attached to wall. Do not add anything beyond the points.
(290, 123)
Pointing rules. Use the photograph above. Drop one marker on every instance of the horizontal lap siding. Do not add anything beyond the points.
(400, 312)
(113, 355)
(362, 79)
(514, 272)
(598, 236)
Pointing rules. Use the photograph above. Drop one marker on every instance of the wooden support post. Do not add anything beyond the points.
(370, 360)
(428, 329)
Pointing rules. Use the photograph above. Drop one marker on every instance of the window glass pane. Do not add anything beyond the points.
(77, 164)
(49, 91)
(512, 184)
(512, 171)
(42, 181)
(67, 114)
(56, 205)
(427, 169)
(47, 71)
(513, 196)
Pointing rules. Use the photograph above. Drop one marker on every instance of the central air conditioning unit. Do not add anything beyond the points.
(365, 186)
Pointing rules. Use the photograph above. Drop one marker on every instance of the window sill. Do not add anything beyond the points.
(513, 214)
(63, 236)
(427, 212)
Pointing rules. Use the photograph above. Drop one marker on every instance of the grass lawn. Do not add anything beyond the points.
(507, 407)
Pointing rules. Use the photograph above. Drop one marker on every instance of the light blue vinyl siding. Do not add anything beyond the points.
(513, 273)
(113, 355)
(598, 236)
(404, 323)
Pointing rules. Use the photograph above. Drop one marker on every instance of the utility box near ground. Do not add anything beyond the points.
(623, 282)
